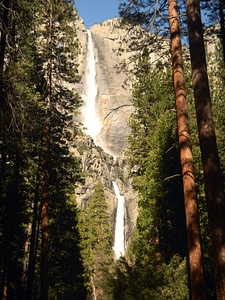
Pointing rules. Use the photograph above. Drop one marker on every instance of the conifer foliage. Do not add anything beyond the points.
(151, 15)
(38, 50)
(96, 244)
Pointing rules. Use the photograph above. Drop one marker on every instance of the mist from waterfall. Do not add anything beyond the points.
(119, 243)
(91, 120)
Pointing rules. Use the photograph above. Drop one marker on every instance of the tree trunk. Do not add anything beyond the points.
(207, 139)
(33, 244)
(186, 157)
(46, 165)
(44, 210)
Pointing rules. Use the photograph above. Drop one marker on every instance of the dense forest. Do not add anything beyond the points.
(48, 248)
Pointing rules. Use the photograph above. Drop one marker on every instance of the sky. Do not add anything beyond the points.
(96, 11)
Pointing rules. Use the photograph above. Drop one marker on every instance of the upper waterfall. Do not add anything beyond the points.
(90, 118)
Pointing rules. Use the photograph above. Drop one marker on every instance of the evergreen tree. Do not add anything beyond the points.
(96, 243)
(24, 91)
(18, 99)
(66, 270)
(57, 49)
(157, 177)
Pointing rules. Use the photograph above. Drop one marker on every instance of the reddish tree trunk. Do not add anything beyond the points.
(210, 159)
(186, 157)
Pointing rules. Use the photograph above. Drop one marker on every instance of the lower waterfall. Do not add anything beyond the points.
(119, 245)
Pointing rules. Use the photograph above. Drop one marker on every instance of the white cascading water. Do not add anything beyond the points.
(92, 127)
(90, 118)
(119, 245)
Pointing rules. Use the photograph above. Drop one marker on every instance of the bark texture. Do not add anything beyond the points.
(210, 159)
(186, 157)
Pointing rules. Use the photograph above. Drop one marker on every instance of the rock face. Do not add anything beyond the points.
(98, 165)
(113, 100)
(113, 105)
(106, 161)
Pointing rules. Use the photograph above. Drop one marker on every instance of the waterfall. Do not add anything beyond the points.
(92, 126)
(90, 118)
(119, 247)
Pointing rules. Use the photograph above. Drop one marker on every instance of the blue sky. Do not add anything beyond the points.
(96, 11)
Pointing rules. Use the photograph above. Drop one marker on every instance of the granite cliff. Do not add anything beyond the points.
(112, 103)
(105, 160)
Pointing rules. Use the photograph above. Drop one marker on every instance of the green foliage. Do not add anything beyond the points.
(66, 270)
(136, 282)
(154, 161)
(176, 280)
(96, 241)
(22, 115)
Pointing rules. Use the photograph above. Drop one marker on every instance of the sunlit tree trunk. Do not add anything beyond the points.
(186, 157)
(210, 159)
(33, 243)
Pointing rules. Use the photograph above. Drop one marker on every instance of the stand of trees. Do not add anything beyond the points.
(51, 250)
(151, 15)
(38, 50)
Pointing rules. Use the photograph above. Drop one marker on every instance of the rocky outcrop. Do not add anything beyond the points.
(98, 165)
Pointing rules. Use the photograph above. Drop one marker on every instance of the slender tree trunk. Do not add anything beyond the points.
(44, 211)
(33, 244)
(210, 159)
(186, 157)
(3, 34)
(46, 167)
(93, 288)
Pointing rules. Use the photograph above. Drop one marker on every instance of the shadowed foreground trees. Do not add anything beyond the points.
(33, 71)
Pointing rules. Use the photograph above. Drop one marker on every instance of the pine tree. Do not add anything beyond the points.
(18, 99)
(57, 49)
(157, 177)
(23, 92)
(96, 242)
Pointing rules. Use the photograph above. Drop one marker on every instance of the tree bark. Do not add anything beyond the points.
(210, 159)
(186, 158)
